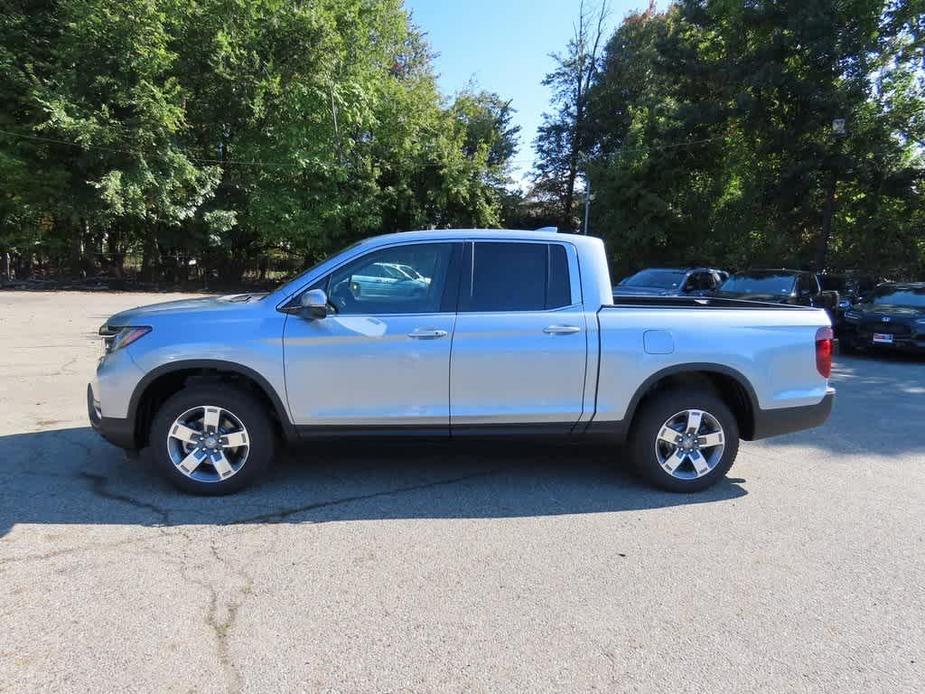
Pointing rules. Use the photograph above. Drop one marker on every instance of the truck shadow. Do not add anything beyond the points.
(72, 476)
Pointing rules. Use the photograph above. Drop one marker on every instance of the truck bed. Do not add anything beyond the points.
(704, 302)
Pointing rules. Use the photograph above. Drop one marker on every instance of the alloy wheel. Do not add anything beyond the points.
(690, 444)
(208, 443)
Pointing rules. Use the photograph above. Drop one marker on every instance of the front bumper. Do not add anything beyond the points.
(786, 420)
(120, 432)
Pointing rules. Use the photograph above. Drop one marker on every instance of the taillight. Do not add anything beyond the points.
(824, 351)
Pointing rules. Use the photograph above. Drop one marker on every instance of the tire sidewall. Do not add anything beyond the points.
(656, 412)
(244, 406)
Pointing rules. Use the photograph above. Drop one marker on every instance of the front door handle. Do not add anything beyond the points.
(427, 334)
(561, 329)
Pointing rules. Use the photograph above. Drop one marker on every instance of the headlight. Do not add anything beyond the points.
(844, 303)
(920, 322)
(115, 337)
(852, 316)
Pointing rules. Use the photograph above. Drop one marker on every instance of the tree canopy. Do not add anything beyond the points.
(714, 135)
(207, 138)
(221, 130)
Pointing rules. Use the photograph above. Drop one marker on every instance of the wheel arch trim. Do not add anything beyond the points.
(260, 381)
(622, 427)
(692, 369)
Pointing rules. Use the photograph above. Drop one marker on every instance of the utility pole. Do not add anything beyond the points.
(828, 212)
(587, 201)
(589, 196)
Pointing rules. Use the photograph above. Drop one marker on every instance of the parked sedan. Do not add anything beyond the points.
(780, 286)
(666, 281)
(893, 316)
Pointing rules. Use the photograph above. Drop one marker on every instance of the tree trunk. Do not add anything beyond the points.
(148, 256)
(116, 258)
(75, 247)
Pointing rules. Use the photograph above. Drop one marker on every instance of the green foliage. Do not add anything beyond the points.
(563, 142)
(712, 135)
(227, 129)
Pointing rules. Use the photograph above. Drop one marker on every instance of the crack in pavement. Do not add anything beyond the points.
(98, 486)
(221, 628)
(281, 515)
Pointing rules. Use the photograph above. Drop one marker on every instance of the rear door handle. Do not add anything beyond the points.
(561, 329)
(427, 334)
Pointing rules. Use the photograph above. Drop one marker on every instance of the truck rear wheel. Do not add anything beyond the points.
(684, 440)
(212, 439)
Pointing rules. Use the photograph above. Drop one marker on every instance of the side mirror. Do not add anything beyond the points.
(829, 299)
(316, 302)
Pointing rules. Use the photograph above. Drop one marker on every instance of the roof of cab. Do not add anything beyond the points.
(489, 234)
(519, 234)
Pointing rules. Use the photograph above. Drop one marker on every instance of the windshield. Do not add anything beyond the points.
(899, 296)
(759, 283)
(664, 279)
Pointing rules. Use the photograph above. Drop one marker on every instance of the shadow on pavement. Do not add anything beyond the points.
(73, 476)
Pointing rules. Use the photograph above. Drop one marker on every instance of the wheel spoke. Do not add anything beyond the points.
(710, 440)
(694, 418)
(184, 433)
(211, 418)
(221, 464)
(669, 435)
(674, 460)
(699, 463)
(189, 463)
(234, 439)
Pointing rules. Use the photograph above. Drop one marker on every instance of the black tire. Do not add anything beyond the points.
(647, 424)
(249, 410)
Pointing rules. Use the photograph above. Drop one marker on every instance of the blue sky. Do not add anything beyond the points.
(504, 45)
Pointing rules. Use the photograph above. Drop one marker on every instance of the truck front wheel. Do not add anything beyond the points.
(212, 439)
(684, 440)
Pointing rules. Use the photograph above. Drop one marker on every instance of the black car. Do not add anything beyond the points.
(780, 286)
(892, 316)
(670, 281)
(850, 287)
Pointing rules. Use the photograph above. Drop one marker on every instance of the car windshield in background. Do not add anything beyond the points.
(759, 283)
(899, 296)
(664, 279)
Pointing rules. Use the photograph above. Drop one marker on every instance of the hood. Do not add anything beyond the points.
(894, 312)
(139, 314)
(622, 290)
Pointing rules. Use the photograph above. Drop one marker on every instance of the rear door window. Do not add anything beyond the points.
(517, 277)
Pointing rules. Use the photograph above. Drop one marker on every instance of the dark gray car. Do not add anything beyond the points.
(666, 281)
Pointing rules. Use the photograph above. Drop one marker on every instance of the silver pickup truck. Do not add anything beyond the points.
(451, 334)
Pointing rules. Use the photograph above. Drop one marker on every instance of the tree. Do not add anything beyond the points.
(221, 131)
(712, 140)
(562, 143)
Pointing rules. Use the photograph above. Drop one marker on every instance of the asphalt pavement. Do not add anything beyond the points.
(453, 568)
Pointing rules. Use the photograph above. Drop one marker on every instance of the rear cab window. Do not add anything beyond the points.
(516, 276)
